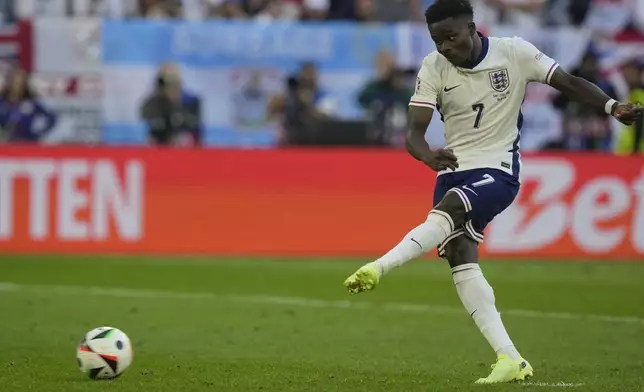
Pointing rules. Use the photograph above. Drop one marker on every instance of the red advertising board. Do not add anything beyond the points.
(297, 203)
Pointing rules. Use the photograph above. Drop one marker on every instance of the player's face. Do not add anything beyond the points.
(453, 39)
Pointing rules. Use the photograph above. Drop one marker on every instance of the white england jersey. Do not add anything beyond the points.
(481, 106)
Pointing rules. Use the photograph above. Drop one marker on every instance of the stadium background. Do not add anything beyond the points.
(94, 69)
(293, 164)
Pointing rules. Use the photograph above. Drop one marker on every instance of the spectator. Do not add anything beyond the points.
(269, 10)
(396, 10)
(22, 117)
(635, 19)
(195, 9)
(638, 16)
(305, 79)
(314, 9)
(266, 10)
(301, 119)
(159, 9)
(48, 8)
(172, 114)
(376, 10)
(107, 8)
(568, 12)
(342, 10)
(524, 13)
(227, 9)
(486, 15)
(585, 128)
(303, 107)
(631, 139)
(7, 12)
(385, 100)
(357, 10)
(309, 79)
(609, 16)
(364, 10)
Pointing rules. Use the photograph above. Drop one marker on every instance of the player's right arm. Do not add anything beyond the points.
(583, 91)
(421, 111)
(537, 67)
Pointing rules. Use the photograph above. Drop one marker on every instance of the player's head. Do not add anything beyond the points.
(451, 26)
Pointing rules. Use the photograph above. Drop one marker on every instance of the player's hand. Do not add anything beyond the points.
(441, 159)
(628, 113)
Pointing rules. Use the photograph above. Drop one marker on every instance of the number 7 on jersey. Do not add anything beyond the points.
(478, 108)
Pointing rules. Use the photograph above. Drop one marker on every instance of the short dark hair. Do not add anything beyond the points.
(444, 9)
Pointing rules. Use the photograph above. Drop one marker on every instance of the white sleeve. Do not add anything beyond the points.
(535, 66)
(427, 86)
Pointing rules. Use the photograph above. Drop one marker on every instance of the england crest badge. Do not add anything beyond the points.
(500, 80)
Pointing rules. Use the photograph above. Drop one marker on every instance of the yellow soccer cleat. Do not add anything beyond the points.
(364, 279)
(507, 370)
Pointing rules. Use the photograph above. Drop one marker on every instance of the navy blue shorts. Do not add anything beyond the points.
(485, 194)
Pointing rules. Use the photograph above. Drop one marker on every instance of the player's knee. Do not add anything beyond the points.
(461, 250)
(454, 207)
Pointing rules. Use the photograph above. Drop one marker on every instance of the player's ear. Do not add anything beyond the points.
(472, 27)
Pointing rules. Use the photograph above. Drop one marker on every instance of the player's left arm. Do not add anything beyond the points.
(537, 67)
(585, 92)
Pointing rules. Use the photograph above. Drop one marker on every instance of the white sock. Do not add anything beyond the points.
(418, 241)
(478, 297)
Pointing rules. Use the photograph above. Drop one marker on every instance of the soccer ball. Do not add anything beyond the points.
(104, 353)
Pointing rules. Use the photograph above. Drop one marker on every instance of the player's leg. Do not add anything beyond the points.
(448, 214)
(477, 296)
(441, 221)
(487, 194)
(439, 225)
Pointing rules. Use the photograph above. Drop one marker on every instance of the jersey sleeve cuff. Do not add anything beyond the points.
(551, 71)
(422, 104)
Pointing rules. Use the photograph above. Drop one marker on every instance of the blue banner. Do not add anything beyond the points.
(219, 60)
(238, 43)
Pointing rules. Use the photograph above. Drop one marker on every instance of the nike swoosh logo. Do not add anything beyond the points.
(447, 90)
(472, 314)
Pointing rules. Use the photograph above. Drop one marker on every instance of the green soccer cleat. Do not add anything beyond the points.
(507, 370)
(364, 279)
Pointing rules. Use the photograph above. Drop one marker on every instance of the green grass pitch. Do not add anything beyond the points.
(268, 325)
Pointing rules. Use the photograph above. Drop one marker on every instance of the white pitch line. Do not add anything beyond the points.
(560, 384)
(303, 302)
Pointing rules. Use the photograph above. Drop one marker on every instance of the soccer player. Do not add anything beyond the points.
(477, 84)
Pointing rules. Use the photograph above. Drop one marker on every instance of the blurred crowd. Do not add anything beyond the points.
(303, 111)
(602, 15)
(23, 117)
